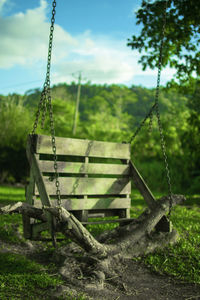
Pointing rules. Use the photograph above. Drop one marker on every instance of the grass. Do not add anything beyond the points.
(183, 259)
(8, 195)
(22, 276)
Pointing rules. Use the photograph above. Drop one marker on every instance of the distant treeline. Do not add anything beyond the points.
(110, 113)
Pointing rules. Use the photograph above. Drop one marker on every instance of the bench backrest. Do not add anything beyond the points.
(93, 175)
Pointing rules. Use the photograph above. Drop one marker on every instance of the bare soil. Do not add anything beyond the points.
(130, 280)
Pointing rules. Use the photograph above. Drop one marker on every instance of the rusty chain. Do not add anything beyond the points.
(162, 139)
(155, 108)
(142, 124)
(46, 103)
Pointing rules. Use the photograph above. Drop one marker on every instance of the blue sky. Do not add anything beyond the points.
(90, 36)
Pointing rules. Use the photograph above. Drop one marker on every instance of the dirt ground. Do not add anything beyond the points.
(131, 279)
(136, 281)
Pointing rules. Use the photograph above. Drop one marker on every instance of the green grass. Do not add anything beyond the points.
(9, 195)
(21, 276)
(183, 259)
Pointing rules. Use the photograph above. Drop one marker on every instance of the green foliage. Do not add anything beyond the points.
(11, 194)
(181, 36)
(111, 113)
(15, 123)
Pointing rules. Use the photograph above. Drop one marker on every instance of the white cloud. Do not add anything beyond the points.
(2, 2)
(24, 37)
(24, 42)
(101, 61)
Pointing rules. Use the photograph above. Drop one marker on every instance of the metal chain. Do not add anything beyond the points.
(156, 108)
(43, 99)
(46, 103)
(162, 140)
(53, 141)
(47, 92)
(142, 124)
(150, 122)
(38, 113)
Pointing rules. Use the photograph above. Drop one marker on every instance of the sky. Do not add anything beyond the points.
(90, 37)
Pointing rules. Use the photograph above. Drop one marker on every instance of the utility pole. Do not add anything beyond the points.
(77, 104)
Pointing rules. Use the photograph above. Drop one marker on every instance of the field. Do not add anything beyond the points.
(35, 276)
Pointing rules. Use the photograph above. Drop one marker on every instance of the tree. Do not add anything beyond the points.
(15, 124)
(182, 36)
(190, 139)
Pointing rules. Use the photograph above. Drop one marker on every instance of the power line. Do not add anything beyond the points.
(33, 81)
(20, 84)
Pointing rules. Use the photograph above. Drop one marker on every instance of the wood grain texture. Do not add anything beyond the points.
(84, 168)
(80, 147)
(142, 187)
(88, 186)
(40, 184)
(91, 203)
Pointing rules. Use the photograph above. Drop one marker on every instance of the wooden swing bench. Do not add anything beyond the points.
(95, 180)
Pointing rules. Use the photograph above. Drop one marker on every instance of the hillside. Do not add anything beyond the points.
(112, 113)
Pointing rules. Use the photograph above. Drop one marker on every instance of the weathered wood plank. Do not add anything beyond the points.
(88, 186)
(41, 187)
(80, 147)
(84, 168)
(91, 203)
(142, 187)
(26, 226)
(36, 172)
(124, 220)
(30, 192)
(30, 188)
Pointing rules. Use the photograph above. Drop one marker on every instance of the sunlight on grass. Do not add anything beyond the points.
(11, 194)
(183, 259)
(23, 278)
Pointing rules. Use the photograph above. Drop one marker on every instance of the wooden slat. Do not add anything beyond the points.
(30, 191)
(88, 186)
(80, 147)
(90, 203)
(33, 160)
(142, 187)
(123, 220)
(84, 168)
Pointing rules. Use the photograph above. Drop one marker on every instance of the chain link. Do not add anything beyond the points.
(155, 108)
(162, 139)
(48, 94)
(150, 122)
(43, 99)
(46, 103)
(142, 124)
(53, 141)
